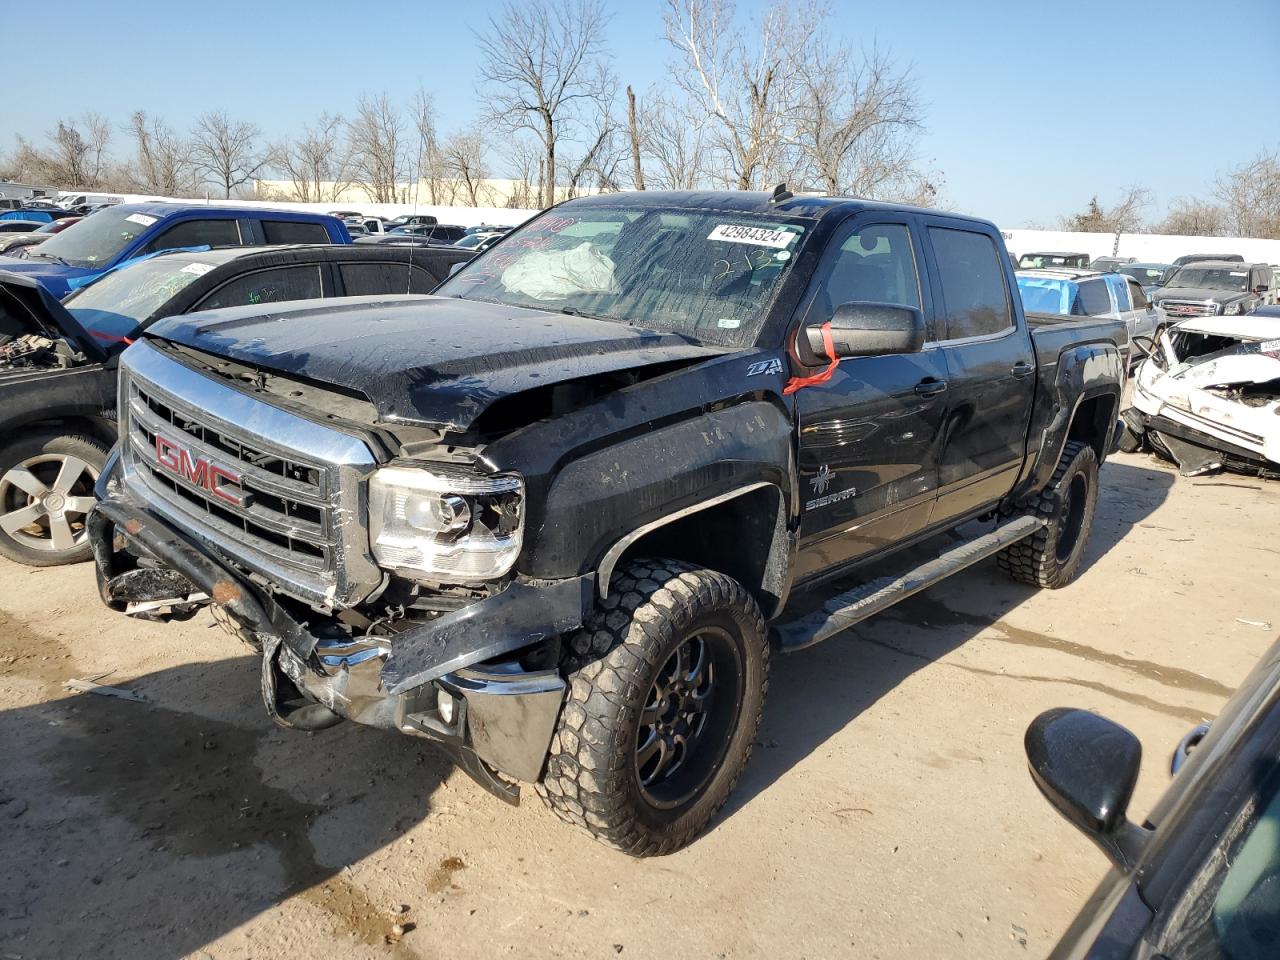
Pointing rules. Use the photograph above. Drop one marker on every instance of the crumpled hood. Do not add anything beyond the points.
(27, 306)
(437, 361)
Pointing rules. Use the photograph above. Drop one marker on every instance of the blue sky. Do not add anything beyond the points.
(1029, 111)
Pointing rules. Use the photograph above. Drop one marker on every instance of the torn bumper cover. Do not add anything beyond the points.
(445, 679)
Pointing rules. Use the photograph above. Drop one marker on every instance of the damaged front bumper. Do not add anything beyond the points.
(455, 680)
(1197, 448)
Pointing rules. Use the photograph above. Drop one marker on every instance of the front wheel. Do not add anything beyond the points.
(1052, 556)
(46, 493)
(667, 682)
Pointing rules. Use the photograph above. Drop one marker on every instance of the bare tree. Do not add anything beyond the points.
(163, 162)
(525, 160)
(544, 67)
(463, 157)
(378, 148)
(743, 84)
(1250, 195)
(75, 155)
(226, 151)
(1193, 218)
(675, 145)
(633, 133)
(1124, 217)
(855, 123)
(441, 188)
(600, 164)
(316, 163)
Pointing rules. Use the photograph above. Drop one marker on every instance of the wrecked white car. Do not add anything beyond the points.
(1208, 396)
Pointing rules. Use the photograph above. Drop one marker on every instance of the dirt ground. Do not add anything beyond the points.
(887, 811)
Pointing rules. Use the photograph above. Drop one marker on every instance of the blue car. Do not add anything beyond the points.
(125, 232)
(38, 216)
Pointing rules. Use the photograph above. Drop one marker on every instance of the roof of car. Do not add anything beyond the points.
(1060, 273)
(1223, 264)
(749, 201)
(1142, 265)
(1060, 253)
(305, 253)
(166, 208)
(1250, 326)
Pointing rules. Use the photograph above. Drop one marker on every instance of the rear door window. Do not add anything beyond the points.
(1093, 300)
(291, 231)
(267, 286)
(973, 285)
(198, 233)
(371, 279)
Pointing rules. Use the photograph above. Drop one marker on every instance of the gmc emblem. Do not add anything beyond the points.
(198, 471)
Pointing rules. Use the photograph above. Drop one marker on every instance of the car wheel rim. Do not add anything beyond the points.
(688, 718)
(1071, 515)
(45, 502)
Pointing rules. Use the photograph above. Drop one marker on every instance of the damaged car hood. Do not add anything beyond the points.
(435, 361)
(27, 307)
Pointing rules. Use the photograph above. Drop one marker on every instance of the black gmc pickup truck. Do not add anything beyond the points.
(550, 518)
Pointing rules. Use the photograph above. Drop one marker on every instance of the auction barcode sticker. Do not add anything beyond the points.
(760, 236)
(141, 218)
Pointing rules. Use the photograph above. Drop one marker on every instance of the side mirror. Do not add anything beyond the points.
(866, 329)
(1260, 289)
(1087, 766)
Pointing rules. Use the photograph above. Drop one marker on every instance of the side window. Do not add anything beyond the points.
(1119, 292)
(371, 279)
(198, 233)
(973, 287)
(1140, 301)
(289, 231)
(874, 263)
(267, 286)
(1094, 301)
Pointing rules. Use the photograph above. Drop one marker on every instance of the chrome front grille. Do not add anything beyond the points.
(1189, 308)
(274, 492)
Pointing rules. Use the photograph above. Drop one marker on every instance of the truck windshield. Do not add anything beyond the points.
(707, 274)
(111, 309)
(96, 239)
(1210, 278)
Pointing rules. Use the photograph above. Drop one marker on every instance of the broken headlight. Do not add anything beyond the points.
(445, 524)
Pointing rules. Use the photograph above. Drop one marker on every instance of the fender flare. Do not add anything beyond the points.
(604, 572)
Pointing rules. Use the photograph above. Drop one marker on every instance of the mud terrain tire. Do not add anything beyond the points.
(667, 682)
(1051, 558)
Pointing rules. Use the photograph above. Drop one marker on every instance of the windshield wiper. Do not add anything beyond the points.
(48, 256)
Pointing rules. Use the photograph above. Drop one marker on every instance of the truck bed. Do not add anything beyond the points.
(1051, 333)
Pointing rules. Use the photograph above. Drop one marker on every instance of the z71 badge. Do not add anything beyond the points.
(764, 366)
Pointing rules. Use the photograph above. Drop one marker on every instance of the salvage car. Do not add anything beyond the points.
(58, 362)
(1066, 261)
(1150, 275)
(1206, 288)
(1110, 264)
(549, 517)
(128, 231)
(1200, 877)
(1208, 396)
(1086, 293)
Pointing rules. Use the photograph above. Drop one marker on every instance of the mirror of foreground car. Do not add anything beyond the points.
(1087, 766)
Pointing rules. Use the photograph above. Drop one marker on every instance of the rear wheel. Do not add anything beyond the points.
(46, 493)
(667, 682)
(1052, 557)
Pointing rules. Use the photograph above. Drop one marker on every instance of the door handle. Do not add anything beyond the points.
(931, 387)
(1021, 369)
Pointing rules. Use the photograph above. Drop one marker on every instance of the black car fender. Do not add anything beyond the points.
(654, 454)
(1080, 401)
